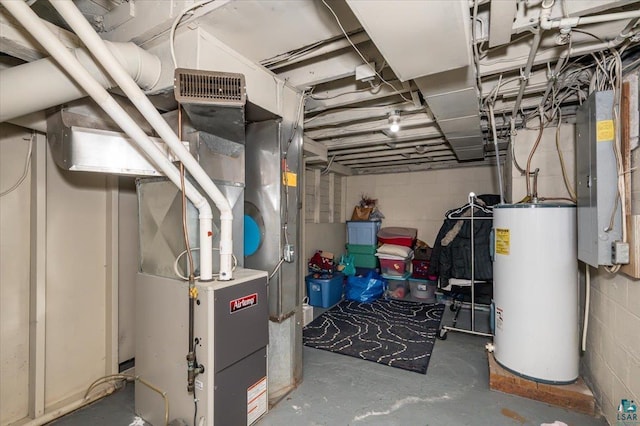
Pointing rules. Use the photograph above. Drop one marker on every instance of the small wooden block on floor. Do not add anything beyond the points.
(576, 396)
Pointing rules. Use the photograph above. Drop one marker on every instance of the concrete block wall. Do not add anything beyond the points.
(611, 362)
(420, 199)
(546, 158)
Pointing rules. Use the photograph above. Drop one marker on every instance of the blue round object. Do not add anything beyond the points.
(252, 236)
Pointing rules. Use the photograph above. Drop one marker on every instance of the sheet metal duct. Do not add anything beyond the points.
(24, 90)
(80, 142)
(429, 23)
(442, 70)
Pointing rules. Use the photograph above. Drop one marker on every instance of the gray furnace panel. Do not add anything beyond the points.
(599, 213)
(241, 321)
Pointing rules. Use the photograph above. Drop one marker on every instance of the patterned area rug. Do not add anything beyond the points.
(396, 333)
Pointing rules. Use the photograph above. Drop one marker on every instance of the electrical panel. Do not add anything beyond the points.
(599, 210)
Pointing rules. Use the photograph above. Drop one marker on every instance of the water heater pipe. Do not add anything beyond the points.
(495, 146)
(32, 23)
(567, 23)
(99, 50)
(42, 84)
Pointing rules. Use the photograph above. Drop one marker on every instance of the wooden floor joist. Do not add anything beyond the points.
(576, 396)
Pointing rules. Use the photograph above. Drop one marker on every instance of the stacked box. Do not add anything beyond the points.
(363, 255)
(362, 232)
(422, 289)
(393, 265)
(324, 293)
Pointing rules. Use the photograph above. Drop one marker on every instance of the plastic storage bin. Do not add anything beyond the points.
(398, 288)
(324, 293)
(420, 268)
(362, 232)
(422, 289)
(365, 260)
(363, 255)
(398, 236)
(394, 266)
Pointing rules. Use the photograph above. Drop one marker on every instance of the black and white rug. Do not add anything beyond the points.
(393, 332)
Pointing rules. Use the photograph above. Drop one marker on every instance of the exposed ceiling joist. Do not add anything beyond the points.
(395, 151)
(349, 95)
(348, 115)
(412, 120)
(16, 42)
(374, 148)
(381, 138)
(314, 151)
(501, 22)
(314, 52)
(399, 159)
(332, 68)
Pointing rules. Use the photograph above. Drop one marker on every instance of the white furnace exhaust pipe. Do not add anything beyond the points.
(100, 51)
(59, 52)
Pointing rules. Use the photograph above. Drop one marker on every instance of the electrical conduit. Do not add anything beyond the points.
(96, 45)
(58, 51)
(57, 88)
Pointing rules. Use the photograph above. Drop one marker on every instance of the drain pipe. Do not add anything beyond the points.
(59, 52)
(50, 86)
(495, 146)
(96, 45)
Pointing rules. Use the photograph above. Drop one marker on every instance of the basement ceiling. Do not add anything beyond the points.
(436, 65)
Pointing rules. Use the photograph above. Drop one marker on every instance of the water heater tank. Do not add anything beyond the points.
(535, 276)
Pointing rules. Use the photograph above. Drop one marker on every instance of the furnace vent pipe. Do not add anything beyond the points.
(42, 84)
(98, 48)
(43, 35)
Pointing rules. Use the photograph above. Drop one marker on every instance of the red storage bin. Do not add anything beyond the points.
(398, 236)
(394, 267)
(420, 268)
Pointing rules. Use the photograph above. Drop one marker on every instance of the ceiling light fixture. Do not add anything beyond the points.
(394, 122)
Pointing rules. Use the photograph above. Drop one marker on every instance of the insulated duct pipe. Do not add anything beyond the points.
(96, 45)
(58, 51)
(42, 84)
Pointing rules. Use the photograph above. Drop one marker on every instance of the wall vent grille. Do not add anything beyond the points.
(209, 87)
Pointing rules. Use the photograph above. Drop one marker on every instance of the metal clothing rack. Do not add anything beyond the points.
(442, 334)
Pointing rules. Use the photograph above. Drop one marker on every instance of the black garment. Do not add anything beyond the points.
(453, 260)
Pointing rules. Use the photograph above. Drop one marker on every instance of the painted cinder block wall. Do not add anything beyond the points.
(420, 199)
(611, 362)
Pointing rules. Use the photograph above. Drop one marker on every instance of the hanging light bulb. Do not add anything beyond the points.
(394, 122)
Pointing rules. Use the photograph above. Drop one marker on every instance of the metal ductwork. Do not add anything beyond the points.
(24, 90)
(442, 70)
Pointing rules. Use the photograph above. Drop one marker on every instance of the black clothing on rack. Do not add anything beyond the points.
(451, 255)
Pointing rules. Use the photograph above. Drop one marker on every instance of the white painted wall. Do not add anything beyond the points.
(420, 199)
(14, 275)
(76, 295)
(324, 236)
(75, 351)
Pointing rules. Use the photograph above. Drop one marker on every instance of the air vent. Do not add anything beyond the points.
(209, 87)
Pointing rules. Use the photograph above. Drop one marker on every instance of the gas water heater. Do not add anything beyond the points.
(535, 274)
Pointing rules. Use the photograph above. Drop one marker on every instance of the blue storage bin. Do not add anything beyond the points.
(363, 232)
(324, 293)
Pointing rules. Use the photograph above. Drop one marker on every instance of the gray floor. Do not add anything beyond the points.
(340, 390)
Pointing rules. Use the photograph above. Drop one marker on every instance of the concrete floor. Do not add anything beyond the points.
(340, 390)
